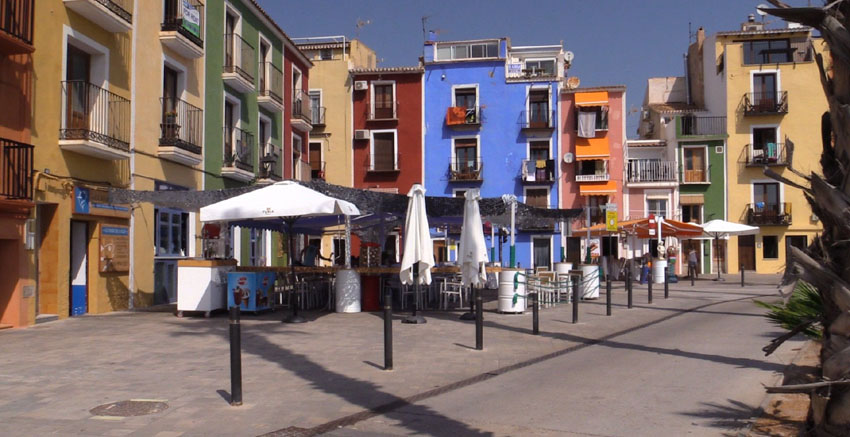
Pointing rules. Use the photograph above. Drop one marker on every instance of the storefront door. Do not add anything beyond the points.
(747, 251)
(543, 253)
(79, 268)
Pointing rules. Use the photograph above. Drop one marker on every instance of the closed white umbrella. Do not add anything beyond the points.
(418, 255)
(284, 202)
(722, 228)
(473, 249)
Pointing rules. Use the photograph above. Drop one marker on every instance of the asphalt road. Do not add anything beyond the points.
(691, 373)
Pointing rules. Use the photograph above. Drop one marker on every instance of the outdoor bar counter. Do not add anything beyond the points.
(361, 270)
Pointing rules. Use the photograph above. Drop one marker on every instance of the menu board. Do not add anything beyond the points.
(114, 248)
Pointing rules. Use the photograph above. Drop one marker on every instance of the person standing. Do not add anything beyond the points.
(310, 253)
(692, 262)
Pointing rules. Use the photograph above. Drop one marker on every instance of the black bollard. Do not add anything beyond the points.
(649, 288)
(742, 276)
(479, 321)
(666, 283)
(535, 314)
(629, 284)
(608, 295)
(235, 358)
(388, 331)
(693, 274)
(576, 280)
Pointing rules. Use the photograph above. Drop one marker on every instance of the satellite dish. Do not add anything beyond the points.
(568, 57)
(568, 158)
(573, 82)
(760, 11)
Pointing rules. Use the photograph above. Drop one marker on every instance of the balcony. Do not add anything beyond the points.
(383, 163)
(238, 155)
(461, 117)
(651, 171)
(538, 171)
(112, 15)
(239, 63)
(317, 170)
(271, 167)
(301, 112)
(766, 103)
(531, 73)
(15, 170)
(758, 155)
(182, 27)
(181, 132)
(769, 214)
(16, 26)
(270, 95)
(466, 170)
(697, 176)
(537, 121)
(382, 112)
(94, 121)
(595, 177)
(318, 116)
(694, 126)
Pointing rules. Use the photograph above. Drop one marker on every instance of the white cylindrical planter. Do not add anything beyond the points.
(562, 273)
(347, 291)
(589, 281)
(506, 292)
(658, 266)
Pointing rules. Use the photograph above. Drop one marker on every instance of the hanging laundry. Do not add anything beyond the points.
(586, 124)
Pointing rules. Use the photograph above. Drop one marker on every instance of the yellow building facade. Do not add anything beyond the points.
(773, 100)
(82, 133)
(330, 145)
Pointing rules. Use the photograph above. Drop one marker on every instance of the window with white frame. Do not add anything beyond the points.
(316, 109)
(540, 67)
(296, 156)
(258, 248)
(383, 151)
(694, 164)
(171, 232)
(383, 100)
(657, 207)
(449, 52)
(465, 154)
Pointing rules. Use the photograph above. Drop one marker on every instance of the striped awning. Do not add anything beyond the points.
(594, 188)
(592, 148)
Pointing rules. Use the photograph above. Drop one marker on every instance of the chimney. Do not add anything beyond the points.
(751, 25)
(700, 36)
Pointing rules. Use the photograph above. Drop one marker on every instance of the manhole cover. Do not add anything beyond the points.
(129, 408)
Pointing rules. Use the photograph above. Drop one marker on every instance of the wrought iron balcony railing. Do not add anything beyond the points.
(16, 20)
(538, 170)
(185, 17)
(15, 169)
(766, 154)
(383, 162)
(466, 170)
(318, 115)
(238, 149)
(271, 82)
(182, 125)
(537, 120)
(382, 111)
(459, 116)
(301, 106)
(317, 170)
(239, 57)
(695, 125)
(760, 213)
(94, 114)
(766, 103)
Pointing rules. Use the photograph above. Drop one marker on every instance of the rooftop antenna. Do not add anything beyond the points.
(424, 32)
(360, 24)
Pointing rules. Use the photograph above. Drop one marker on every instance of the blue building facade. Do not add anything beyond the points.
(491, 122)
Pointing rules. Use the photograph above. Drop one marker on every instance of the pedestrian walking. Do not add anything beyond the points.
(692, 262)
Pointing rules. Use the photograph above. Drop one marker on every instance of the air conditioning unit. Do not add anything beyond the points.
(360, 85)
(361, 134)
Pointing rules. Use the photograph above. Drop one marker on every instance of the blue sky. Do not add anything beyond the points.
(615, 42)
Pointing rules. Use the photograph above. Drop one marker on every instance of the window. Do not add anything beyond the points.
(657, 207)
(258, 248)
(317, 167)
(383, 100)
(694, 164)
(538, 108)
(770, 246)
(537, 197)
(798, 241)
(264, 58)
(600, 118)
(447, 52)
(316, 106)
(767, 51)
(171, 231)
(596, 205)
(326, 54)
(383, 157)
(229, 126)
(766, 197)
(764, 148)
(692, 213)
(466, 155)
(538, 150)
(296, 156)
(460, 193)
(765, 95)
(592, 167)
(466, 97)
(542, 67)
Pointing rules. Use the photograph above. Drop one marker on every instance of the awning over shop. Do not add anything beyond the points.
(692, 199)
(596, 188)
(594, 98)
(592, 148)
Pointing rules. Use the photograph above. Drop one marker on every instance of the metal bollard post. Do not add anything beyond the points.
(666, 283)
(649, 288)
(235, 358)
(388, 331)
(575, 298)
(742, 276)
(535, 312)
(693, 274)
(629, 285)
(479, 321)
(608, 296)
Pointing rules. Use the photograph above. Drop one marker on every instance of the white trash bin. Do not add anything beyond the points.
(658, 266)
(562, 273)
(506, 292)
(589, 281)
(347, 291)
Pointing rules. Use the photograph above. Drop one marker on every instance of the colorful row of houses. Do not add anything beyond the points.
(184, 95)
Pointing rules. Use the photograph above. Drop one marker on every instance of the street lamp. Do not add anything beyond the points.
(267, 162)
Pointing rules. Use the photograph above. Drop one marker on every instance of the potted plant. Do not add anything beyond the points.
(170, 128)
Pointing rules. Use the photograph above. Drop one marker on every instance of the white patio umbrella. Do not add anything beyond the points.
(282, 203)
(418, 255)
(722, 228)
(473, 248)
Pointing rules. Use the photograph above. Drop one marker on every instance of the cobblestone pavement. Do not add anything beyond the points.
(306, 378)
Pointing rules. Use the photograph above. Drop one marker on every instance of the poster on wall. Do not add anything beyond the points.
(595, 248)
(191, 19)
(114, 248)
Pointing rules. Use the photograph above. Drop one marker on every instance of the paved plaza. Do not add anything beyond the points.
(326, 375)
